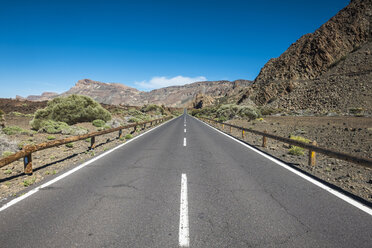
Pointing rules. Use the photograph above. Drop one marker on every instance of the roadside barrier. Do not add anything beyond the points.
(312, 148)
(26, 152)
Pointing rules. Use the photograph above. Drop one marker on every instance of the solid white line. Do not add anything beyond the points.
(184, 239)
(184, 141)
(33, 191)
(317, 183)
(184, 130)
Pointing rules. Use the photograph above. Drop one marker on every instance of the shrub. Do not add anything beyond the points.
(128, 136)
(356, 111)
(249, 112)
(29, 182)
(98, 123)
(51, 137)
(52, 127)
(134, 119)
(16, 114)
(268, 110)
(14, 130)
(71, 110)
(69, 145)
(150, 107)
(74, 130)
(7, 153)
(295, 150)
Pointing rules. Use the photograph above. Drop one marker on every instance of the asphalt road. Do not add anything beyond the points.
(229, 196)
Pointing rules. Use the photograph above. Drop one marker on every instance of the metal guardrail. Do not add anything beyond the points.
(26, 152)
(313, 148)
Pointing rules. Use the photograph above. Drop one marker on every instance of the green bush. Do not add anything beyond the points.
(71, 110)
(7, 153)
(98, 123)
(153, 108)
(16, 114)
(69, 145)
(356, 111)
(128, 136)
(51, 137)
(150, 107)
(134, 119)
(14, 130)
(52, 127)
(295, 150)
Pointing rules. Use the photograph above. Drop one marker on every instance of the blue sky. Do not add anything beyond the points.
(50, 45)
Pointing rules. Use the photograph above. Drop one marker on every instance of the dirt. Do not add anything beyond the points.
(21, 106)
(351, 135)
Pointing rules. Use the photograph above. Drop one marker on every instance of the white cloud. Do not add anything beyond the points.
(159, 82)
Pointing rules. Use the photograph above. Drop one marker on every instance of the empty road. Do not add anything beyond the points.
(183, 184)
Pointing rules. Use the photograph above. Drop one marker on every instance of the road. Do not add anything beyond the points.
(183, 184)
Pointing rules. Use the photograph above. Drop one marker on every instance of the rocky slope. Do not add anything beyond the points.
(108, 93)
(323, 70)
(173, 96)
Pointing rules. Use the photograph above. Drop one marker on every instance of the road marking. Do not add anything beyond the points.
(33, 191)
(184, 130)
(184, 141)
(184, 239)
(336, 193)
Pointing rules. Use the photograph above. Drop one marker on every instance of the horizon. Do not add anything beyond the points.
(48, 47)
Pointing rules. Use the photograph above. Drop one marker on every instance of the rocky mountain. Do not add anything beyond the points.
(45, 96)
(108, 93)
(328, 69)
(173, 96)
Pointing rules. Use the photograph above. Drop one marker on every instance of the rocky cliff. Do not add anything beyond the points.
(324, 69)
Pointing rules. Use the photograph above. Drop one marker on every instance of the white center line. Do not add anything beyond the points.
(184, 130)
(184, 141)
(184, 239)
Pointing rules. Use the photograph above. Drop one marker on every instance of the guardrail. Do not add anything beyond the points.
(313, 148)
(26, 152)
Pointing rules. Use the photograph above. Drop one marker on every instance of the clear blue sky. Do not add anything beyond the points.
(49, 45)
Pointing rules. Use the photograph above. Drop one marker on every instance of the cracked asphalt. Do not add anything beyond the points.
(131, 198)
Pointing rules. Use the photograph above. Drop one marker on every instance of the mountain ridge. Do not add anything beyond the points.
(172, 96)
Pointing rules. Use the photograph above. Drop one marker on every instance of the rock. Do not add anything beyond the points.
(327, 71)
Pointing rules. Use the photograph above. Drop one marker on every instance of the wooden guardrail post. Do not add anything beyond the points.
(120, 133)
(230, 129)
(312, 155)
(264, 140)
(92, 142)
(27, 161)
(223, 127)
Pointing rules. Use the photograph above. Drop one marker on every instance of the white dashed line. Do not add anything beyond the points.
(184, 141)
(184, 130)
(184, 239)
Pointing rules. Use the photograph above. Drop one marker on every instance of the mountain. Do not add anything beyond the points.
(108, 93)
(329, 69)
(173, 96)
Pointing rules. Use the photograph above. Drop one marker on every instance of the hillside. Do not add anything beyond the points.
(328, 70)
